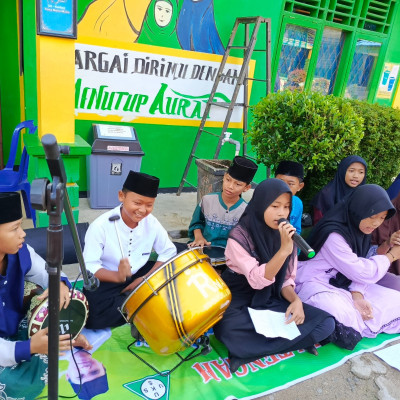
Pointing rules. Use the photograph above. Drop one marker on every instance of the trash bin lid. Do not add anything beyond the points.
(111, 139)
(120, 147)
(114, 132)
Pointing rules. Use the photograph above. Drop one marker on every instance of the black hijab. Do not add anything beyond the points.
(337, 188)
(267, 241)
(345, 217)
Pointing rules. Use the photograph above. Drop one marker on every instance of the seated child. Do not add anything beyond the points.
(218, 213)
(341, 279)
(23, 364)
(394, 189)
(383, 239)
(352, 172)
(118, 245)
(262, 261)
(292, 173)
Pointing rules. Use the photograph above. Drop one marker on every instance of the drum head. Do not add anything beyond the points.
(72, 319)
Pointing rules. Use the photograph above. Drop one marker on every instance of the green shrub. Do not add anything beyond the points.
(380, 146)
(313, 129)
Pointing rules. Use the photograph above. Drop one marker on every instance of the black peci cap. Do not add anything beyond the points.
(242, 169)
(290, 168)
(143, 184)
(10, 207)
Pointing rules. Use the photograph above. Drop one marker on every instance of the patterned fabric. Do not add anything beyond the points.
(26, 379)
(214, 218)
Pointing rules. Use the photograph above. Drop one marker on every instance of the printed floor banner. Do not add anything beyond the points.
(113, 372)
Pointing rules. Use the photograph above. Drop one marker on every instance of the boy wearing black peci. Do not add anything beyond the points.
(118, 245)
(23, 361)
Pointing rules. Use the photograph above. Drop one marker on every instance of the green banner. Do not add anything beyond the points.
(205, 376)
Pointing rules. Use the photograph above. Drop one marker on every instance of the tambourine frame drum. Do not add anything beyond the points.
(178, 302)
(72, 319)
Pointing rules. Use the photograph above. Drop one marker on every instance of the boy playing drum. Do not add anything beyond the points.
(118, 245)
(23, 363)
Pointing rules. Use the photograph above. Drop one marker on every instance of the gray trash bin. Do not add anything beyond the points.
(115, 151)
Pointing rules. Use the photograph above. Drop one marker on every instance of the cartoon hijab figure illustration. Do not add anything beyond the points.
(113, 19)
(159, 25)
(196, 27)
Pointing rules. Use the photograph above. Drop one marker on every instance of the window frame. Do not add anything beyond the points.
(352, 35)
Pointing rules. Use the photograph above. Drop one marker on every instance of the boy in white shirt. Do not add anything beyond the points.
(118, 245)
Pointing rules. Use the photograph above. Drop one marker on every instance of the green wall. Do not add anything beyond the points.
(166, 147)
(9, 74)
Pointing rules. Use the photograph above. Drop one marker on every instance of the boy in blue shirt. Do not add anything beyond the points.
(23, 361)
(218, 213)
(292, 173)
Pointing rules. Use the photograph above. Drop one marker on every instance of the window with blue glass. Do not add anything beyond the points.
(297, 46)
(329, 56)
(362, 69)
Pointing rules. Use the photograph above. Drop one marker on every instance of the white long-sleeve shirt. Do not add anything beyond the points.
(102, 247)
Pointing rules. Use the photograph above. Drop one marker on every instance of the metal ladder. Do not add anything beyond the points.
(248, 48)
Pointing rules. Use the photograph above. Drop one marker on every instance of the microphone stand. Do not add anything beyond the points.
(55, 252)
(55, 196)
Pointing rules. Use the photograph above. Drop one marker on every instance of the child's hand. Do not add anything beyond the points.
(124, 269)
(364, 307)
(132, 285)
(286, 231)
(295, 312)
(199, 243)
(65, 343)
(395, 239)
(81, 341)
(64, 295)
(40, 342)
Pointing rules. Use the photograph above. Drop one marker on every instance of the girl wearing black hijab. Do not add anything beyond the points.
(340, 279)
(261, 262)
(352, 172)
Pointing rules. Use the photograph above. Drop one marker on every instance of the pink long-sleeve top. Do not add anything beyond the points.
(240, 261)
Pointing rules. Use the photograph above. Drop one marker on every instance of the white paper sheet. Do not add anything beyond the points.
(391, 355)
(272, 324)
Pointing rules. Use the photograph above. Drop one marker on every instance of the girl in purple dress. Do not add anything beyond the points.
(340, 279)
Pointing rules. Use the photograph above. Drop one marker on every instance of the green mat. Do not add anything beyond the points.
(206, 376)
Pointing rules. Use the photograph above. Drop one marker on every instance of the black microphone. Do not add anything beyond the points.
(300, 242)
(92, 282)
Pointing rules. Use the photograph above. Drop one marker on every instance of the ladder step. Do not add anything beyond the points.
(226, 105)
(255, 79)
(220, 104)
(190, 184)
(238, 47)
(263, 50)
(211, 133)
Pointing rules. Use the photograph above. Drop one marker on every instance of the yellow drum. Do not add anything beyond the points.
(177, 303)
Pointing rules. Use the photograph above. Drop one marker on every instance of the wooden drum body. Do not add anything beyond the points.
(177, 303)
